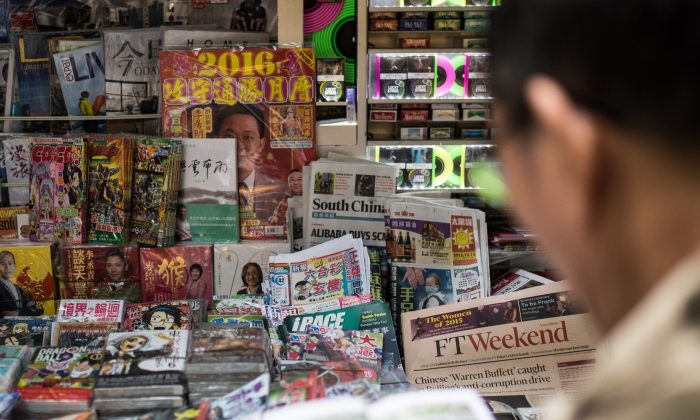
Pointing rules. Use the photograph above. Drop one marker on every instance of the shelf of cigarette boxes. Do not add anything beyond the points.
(431, 9)
(81, 117)
(406, 52)
(433, 142)
(373, 101)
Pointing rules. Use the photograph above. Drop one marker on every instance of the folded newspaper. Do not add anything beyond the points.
(537, 343)
(321, 273)
(346, 197)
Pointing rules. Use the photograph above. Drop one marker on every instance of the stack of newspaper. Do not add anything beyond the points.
(438, 252)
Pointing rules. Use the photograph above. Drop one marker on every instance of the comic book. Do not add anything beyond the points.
(78, 334)
(109, 188)
(131, 70)
(155, 189)
(27, 331)
(57, 193)
(90, 310)
(101, 272)
(235, 350)
(61, 42)
(22, 353)
(82, 77)
(265, 98)
(371, 317)
(14, 223)
(208, 200)
(10, 370)
(31, 275)
(168, 315)
(234, 262)
(139, 359)
(17, 164)
(61, 373)
(33, 78)
(178, 272)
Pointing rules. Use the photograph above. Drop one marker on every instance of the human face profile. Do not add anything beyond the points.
(115, 267)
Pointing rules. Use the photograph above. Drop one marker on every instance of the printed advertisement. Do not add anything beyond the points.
(536, 343)
(265, 98)
(101, 272)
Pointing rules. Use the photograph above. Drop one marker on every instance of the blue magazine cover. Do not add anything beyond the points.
(82, 76)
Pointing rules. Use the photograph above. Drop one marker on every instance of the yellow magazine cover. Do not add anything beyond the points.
(27, 284)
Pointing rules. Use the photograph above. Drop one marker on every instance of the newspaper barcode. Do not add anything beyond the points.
(274, 230)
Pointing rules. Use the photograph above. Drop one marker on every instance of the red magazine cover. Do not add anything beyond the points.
(178, 272)
(263, 97)
(101, 272)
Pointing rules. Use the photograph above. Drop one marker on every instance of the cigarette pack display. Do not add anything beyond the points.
(415, 115)
(382, 115)
(420, 76)
(440, 133)
(330, 79)
(445, 115)
(383, 24)
(101, 272)
(477, 21)
(475, 112)
(475, 43)
(475, 133)
(415, 42)
(447, 24)
(392, 77)
(414, 133)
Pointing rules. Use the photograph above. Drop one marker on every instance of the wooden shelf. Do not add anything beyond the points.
(432, 9)
(434, 142)
(413, 51)
(429, 101)
(331, 104)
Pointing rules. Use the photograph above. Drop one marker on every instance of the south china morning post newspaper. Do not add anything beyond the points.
(348, 198)
(537, 343)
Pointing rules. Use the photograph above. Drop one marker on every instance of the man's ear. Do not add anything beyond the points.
(574, 137)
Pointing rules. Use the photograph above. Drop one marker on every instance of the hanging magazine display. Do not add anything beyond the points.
(265, 98)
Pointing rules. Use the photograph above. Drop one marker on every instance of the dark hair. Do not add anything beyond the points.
(168, 309)
(115, 253)
(245, 268)
(301, 283)
(196, 266)
(84, 94)
(3, 253)
(294, 170)
(239, 109)
(630, 62)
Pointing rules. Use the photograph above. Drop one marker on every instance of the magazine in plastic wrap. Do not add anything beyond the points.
(537, 343)
(347, 198)
(265, 98)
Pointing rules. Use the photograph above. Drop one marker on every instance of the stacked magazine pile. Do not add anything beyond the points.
(59, 380)
(142, 371)
(13, 361)
(223, 358)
